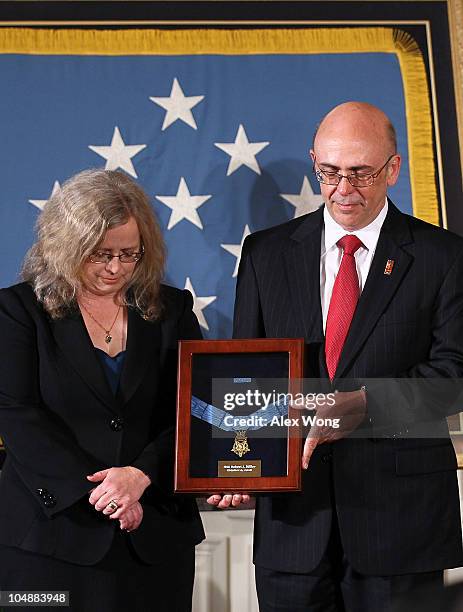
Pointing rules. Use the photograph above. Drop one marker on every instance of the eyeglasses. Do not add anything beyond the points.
(124, 257)
(356, 179)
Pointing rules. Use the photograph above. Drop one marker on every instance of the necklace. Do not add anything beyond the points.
(107, 332)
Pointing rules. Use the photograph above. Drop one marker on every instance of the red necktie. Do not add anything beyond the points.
(343, 302)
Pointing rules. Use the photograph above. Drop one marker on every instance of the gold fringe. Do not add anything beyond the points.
(419, 128)
(195, 41)
(266, 41)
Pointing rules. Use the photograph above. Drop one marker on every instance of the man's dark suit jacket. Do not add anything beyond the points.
(396, 497)
(60, 422)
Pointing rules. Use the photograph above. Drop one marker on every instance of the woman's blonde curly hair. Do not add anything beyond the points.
(73, 224)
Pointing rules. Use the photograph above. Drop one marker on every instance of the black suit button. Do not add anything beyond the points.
(327, 458)
(117, 423)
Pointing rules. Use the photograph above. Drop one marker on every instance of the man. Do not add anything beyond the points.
(376, 294)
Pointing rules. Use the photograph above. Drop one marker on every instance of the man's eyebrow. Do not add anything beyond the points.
(351, 168)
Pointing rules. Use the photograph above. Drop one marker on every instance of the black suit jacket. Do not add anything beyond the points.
(396, 494)
(60, 422)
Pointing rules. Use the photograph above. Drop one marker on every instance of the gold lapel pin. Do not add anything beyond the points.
(389, 266)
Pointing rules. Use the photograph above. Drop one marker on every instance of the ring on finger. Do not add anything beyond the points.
(113, 505)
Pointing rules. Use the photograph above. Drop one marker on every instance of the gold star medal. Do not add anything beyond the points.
(240, 445)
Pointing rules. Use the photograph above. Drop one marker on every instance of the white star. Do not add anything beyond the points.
(178, 106)
(183, 205)
(199, 303)
(41, 203)
(235, 249)
(118, 154)
(306, 201)
(242, 152)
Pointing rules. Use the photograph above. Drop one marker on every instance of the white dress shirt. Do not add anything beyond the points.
(331, 254)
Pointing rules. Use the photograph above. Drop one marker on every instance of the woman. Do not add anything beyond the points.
(87, 407)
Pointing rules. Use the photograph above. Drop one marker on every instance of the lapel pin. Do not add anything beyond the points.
(389, 266)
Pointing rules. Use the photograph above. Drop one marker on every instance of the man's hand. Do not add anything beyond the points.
(123, 485)
(131, 518)
(350, 408)
(234, 500)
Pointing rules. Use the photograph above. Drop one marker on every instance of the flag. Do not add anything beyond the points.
(215, 125)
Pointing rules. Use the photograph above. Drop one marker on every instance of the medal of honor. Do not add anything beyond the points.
(240, 446)
(218, 418)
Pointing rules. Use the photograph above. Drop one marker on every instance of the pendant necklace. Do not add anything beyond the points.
(107, 332)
